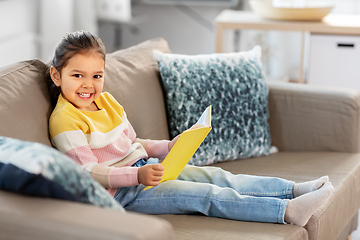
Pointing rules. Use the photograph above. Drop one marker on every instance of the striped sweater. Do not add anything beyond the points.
(102, 142)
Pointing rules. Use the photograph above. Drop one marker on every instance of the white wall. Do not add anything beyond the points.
(18, 31)
(188, 30)
(347, 6)
(32, 28)
(58, 17)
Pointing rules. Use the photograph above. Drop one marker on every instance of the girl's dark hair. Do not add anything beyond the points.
(72, 43)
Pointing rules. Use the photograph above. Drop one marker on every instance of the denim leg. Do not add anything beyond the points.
(205, 196)
(244, 184)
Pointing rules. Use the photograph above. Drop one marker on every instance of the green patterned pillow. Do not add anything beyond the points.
(235, 86)
(38, 170)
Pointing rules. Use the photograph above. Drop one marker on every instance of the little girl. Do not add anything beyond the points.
(91, 127)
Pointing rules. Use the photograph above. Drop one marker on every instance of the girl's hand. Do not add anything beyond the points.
(151, 174)
(172, 142)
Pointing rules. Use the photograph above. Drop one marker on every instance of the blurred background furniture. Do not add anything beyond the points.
(335, 24)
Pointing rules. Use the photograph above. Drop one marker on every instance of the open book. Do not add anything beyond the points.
(185, 147)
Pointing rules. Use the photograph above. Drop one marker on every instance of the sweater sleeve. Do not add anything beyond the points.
(155, 148)
(123, 177)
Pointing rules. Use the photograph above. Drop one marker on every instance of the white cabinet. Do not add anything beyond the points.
(334, 61)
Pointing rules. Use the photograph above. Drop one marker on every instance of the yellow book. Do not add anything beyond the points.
(185, 147)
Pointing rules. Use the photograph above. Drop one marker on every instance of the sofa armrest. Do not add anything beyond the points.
(313, 118)
(24, 217)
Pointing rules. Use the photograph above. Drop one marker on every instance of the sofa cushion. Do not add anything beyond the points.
(342, 169)
(132, 77)
(326, 223)
(24, 102)
(305, 117)
(234, 84)
(204, 228)
(38, 170)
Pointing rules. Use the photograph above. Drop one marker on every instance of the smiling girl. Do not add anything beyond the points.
(91, 128)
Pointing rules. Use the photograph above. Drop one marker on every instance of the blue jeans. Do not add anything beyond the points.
(213, 192)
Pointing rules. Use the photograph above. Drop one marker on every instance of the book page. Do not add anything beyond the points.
(185, 147)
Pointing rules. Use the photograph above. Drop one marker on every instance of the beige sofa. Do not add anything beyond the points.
(316, 130)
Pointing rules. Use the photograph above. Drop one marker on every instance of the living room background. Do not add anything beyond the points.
(36, 27)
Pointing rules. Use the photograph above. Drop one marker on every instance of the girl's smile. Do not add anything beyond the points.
(84, 95)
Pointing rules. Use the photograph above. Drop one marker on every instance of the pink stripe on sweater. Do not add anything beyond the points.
(82, 155)
(130, 132)
(116, 150)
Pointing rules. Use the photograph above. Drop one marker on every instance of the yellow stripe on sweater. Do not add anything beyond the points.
(66, 117)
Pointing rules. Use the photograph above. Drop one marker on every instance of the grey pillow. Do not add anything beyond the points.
(235, 86)
(38, 170)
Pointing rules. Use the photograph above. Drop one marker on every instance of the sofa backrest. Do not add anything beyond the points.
(131, 76)
(24, 102)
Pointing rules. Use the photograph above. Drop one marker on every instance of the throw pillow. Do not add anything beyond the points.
(38, 170)
(234, 84)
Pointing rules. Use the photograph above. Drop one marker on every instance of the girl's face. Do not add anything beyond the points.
(82, 80)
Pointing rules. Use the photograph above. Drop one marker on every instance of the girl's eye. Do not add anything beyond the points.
(97, 76)
(77, 75)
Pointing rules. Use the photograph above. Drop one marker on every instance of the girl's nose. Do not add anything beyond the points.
(86, 84)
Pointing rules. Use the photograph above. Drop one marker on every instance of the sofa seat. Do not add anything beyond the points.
(342, 169)
(35, 218)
